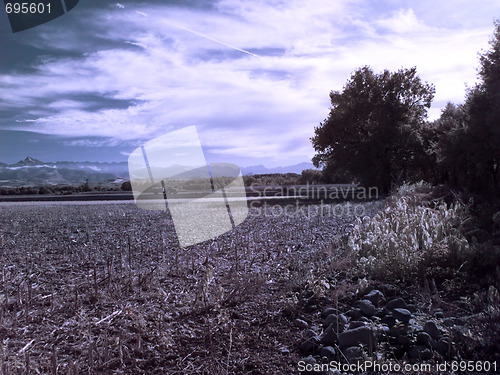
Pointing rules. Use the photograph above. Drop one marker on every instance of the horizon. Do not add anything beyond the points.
(29, 158)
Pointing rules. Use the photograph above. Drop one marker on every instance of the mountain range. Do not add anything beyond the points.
(33, 172)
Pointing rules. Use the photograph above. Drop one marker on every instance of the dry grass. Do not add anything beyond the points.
(105, 289)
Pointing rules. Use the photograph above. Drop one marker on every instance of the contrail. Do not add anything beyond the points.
(218, 41)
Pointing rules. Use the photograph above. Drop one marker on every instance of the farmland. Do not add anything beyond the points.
(103, 288)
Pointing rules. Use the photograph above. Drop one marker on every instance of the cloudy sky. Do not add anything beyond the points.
(252, 75)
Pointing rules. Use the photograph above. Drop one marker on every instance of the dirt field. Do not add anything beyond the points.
(105, 289)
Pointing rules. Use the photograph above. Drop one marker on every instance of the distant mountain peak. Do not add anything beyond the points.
(28, 161)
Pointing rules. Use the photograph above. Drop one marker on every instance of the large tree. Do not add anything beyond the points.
(483, 103)
(466, 138)
(372, 134)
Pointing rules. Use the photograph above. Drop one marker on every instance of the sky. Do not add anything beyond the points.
(254, 76)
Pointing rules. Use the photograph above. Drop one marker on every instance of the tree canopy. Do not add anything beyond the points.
(372, 132)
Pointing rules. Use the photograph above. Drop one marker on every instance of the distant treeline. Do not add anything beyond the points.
(58, 190)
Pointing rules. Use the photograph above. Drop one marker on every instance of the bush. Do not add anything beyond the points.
(410, 239)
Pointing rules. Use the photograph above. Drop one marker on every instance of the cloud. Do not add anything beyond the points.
(254, 76)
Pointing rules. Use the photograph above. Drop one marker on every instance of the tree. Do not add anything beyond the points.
(466, 138)
(447, 147)
(372, 133)
(483, 104)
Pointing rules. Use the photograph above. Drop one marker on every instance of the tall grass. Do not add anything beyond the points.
(412, 239)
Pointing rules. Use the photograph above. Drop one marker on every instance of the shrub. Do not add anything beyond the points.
(411, 240)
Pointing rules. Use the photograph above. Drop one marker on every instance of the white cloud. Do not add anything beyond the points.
(255, 76)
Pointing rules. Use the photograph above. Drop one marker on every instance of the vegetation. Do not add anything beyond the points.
(376, 131)
(413, 239)
(371, 134)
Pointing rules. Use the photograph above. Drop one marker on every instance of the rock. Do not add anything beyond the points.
(396, 332)
(308, 334)
(412, 308)
(398, 351)
(376, 297)
(328, 311)
(425, 339)
(329, 337)
(300, 323)
(403, 340)
(389, 321)
(382, 333)
(328, 352)
(356, 324)
(357, 336)
(402, 315)
(452, 321)
(419, 353)
(354, 314)
(438, 313)
(432, 329)
(442, 346)
(367, 307)
(339, 319)
(396, 303)
(353, 354)
(388, 289)
(310, 344)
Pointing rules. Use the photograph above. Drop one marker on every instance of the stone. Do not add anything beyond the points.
(353, 354)
(389, 321)
(328, 352)
(300, 323)
(425, 339)
(396, 303)
(354, 314)
(419, 353)
(329, 337)
(308, 334)
(452, 321)
(376, 297)
(357, 336)
(403, 315)
(367, 307)
(328, 311)
(412, 308)
(382, 333)
(310, 344)
(339, 319)
(388, 290)
(356, 324)
(442, 346)
(432, 329)
(438, 313)
(403, 340)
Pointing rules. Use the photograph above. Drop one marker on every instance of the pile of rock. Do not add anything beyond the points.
(380, 326)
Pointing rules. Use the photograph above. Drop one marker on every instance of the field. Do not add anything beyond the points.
(104, 288)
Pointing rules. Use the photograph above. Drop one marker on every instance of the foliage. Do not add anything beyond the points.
(311, 176)
(410, 240)
(272, 179)
(464, 144)
(371, 133)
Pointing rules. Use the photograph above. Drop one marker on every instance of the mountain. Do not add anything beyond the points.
(28, 162)
(33, 172)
